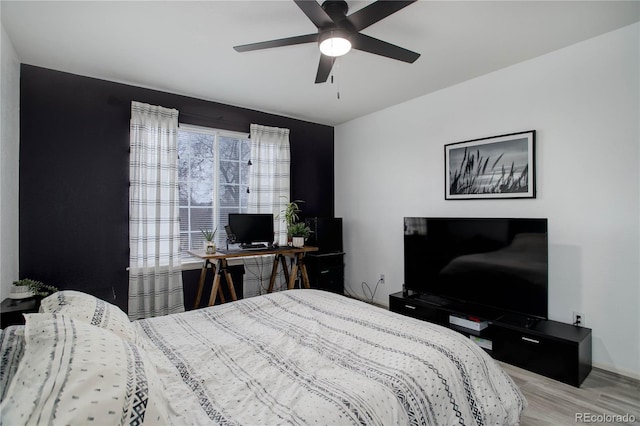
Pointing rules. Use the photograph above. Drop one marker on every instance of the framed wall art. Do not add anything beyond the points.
(491, 168)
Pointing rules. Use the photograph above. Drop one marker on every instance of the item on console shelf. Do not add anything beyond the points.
(483, 343)
(472, 323)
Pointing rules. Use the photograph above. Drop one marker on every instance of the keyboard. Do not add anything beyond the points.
(253, 246)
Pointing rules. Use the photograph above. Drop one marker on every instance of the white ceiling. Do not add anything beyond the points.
(185, 47)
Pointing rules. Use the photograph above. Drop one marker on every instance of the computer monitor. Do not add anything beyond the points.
(251, 228)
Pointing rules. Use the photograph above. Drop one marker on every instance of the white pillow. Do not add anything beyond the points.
(74, 373)
(90, 309)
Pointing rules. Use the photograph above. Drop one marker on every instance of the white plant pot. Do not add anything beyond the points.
(210, 247)
(298, 241)
(20, 292)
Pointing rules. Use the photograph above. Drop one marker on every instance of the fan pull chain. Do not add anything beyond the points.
(335, 72)
(338, 91)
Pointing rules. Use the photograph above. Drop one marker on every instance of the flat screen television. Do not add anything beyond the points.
(251, 228)
(491, 265)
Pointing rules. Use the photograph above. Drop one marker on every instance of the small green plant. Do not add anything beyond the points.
(299, 229)
(290, 213)
(38, 288)
(208, 234)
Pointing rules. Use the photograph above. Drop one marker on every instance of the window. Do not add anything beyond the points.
(213, 179)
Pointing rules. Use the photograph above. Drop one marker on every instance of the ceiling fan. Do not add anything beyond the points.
(338, 33)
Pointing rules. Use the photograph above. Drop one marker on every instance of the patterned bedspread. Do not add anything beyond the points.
(311, 357)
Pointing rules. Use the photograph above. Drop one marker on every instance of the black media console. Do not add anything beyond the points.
(554, 349)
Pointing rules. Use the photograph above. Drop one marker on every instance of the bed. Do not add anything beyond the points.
(293, 357)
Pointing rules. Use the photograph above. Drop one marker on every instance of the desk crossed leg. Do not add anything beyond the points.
(221, 267)
(278, 259)
(218, 269)
(290, 277)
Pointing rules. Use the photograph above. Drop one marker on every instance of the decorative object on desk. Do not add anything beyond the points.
(209, 244)
(290, 213)
(231, 237)
(27, 287)
(489, 168)
(290, 216)
(299, 232)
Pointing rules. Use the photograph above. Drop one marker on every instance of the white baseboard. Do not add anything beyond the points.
(618, 371)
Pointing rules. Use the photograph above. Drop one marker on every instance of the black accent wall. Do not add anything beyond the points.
(74, 174)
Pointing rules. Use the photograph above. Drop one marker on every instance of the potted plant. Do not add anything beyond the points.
(27, 287)
(299, 233)
(290, 215)
(209, 244)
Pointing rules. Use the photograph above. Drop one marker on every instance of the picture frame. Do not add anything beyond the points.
(495, 167)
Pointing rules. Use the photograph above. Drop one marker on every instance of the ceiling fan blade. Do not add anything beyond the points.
(324, 68)
(375, 12)
(308, 38)
(382, 48)
(315, 13)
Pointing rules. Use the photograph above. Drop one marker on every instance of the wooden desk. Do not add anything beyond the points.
(221, 268)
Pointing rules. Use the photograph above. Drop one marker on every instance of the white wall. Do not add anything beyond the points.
(9, 153)
(583, 101)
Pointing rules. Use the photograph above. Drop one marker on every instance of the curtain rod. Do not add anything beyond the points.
(219, 119)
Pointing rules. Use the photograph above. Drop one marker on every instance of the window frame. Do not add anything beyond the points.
(216, 205)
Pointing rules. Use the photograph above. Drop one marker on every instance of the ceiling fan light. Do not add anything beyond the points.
(334, 43)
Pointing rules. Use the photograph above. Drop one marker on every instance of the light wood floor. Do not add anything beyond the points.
(552, 403)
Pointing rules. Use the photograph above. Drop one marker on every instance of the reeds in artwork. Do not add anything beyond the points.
(472, 177)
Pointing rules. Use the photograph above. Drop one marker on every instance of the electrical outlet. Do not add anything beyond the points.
(578, 319)
(381, 278)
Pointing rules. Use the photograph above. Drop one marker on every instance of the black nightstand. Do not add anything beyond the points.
(11, 310)
(326, 271)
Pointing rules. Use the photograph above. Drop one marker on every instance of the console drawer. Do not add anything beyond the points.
(543, 355)
(414, 310)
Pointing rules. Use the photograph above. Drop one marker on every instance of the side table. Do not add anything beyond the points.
(11, 310)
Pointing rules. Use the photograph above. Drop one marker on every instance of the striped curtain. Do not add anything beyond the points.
(269, 176)
(155, 275)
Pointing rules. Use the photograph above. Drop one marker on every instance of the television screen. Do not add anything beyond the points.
(251, 228)
(488, 262)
